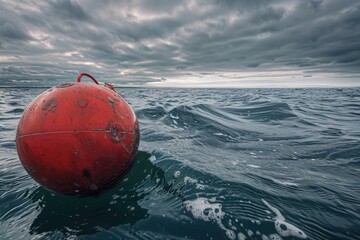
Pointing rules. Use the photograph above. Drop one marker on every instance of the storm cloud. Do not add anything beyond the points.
(202, 43)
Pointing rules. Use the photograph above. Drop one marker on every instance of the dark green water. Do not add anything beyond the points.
(212, 164)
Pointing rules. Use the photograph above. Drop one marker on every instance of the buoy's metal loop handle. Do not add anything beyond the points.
(88, 75)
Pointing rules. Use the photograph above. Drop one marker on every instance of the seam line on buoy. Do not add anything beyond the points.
(89, 131)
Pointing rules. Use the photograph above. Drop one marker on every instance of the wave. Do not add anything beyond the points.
(213, 163)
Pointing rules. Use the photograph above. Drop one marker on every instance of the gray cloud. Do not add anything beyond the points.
(149, 42)
(68, 9)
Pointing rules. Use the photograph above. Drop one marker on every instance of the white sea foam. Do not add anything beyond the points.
(275, 237)
(115, 196)
(253, 166)
(241, 236)
(264, 237)
(203, 209)
(209, 210)
(285, 183)
(189, 180)
(177, 174)
(230, 234)
(200, 186)
(284, 228)
(174, 117)
(219, 134)
(213, 199)
(152, 159)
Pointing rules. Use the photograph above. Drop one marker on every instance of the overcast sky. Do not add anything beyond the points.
(196, 43)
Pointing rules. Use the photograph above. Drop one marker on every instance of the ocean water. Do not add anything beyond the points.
(212, 164)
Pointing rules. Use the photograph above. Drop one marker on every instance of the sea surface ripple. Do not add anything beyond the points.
(212, 164)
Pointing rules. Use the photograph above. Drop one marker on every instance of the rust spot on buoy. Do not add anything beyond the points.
(110, 100)
(117, 135)
(82, 102)
(116, 131)
(50, 105)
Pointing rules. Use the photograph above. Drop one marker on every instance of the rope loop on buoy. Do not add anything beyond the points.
(88, 75)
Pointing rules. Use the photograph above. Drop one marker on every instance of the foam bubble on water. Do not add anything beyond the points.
(152, 159)
(200, 186)
(250, 233)
(253, 166)
(241, 236)
(176, 174)
(219, 134)
(230, 234)
(190, 180)
(274, 236)
(264, 237)
(174, 117)
(278, 214)
(230, 137)
(284, 228)
(203, 209)
(213, 199)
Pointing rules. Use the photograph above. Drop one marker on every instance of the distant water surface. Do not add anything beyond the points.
(212, 164)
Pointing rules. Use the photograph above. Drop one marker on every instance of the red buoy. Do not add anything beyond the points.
(77, 137)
